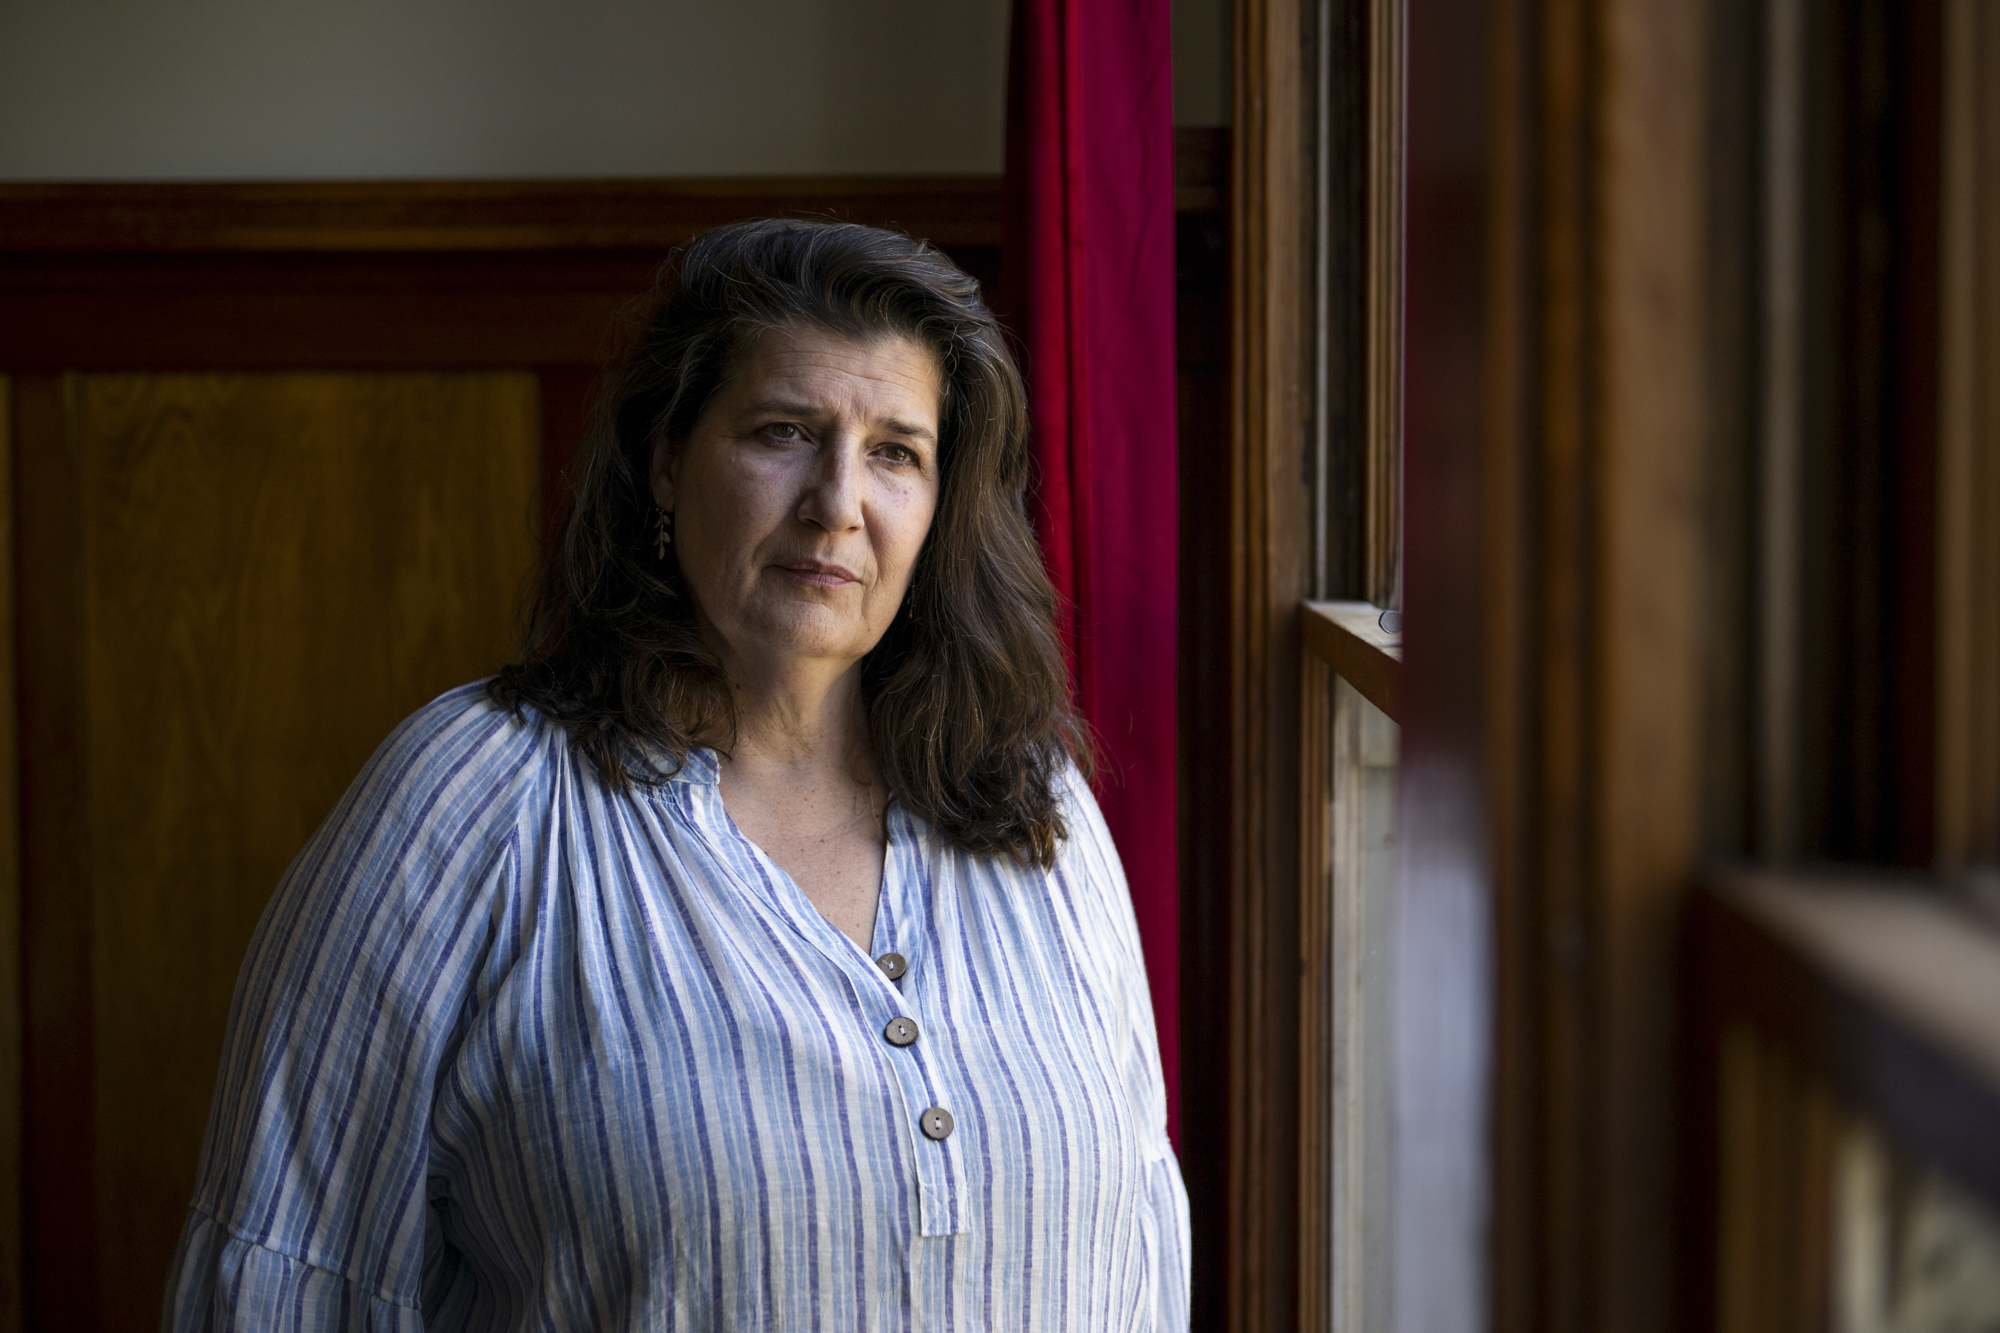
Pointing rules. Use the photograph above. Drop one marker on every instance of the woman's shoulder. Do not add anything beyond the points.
(1081, 813)
(460, 757)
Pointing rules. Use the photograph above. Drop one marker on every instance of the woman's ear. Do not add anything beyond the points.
(666, 462)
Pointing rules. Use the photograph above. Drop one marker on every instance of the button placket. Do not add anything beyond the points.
(910, 890)
(932, 1158)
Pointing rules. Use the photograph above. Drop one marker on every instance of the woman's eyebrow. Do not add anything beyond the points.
(789, 408)
(896, 426)
(786, 407)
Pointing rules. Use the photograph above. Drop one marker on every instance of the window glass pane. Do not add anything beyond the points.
(1913, 1252)
(1362, 860)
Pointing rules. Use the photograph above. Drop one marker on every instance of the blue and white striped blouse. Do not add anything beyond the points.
(513, 1051)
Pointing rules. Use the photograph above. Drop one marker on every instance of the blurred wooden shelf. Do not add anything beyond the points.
(1881, 985)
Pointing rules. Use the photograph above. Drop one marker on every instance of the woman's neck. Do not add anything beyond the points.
(800, 783)
(801, 725)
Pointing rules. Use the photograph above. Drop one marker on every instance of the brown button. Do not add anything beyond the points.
(893, 965)
(936, 1123)
(901, 1031)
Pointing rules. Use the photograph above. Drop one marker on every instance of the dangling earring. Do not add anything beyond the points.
(663, 532)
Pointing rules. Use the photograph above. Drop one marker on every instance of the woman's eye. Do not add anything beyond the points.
(900, 453)
(782, 430)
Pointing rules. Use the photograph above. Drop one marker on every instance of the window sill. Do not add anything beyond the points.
(1348, 637)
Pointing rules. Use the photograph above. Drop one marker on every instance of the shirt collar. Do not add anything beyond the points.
(699, 767)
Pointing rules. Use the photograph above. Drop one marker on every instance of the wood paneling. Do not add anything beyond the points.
(10, 904)
(59, 1197)
(268, 573)
(567, 398)
(393, 275)
(314, 311)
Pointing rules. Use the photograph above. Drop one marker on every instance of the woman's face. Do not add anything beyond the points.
(803, 495)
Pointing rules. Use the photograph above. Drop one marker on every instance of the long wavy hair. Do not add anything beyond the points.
(967, 693)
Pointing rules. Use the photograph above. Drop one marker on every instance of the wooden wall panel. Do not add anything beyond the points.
(58, 1205)
(10, 905)
(396, 275)
(276, 570)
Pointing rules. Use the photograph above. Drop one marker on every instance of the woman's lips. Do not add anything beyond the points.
(819, 573)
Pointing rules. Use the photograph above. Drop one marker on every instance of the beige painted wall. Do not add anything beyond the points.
(208, 89)
(248, 89)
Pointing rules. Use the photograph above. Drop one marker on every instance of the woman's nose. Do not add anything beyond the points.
(833, 493)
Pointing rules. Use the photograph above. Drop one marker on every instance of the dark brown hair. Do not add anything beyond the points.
(967, 692)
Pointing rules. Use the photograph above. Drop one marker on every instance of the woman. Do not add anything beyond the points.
(750, 955)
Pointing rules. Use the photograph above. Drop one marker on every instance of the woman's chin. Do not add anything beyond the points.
(804, 633)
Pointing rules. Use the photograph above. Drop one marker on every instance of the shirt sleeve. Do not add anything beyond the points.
(310, 1206)
(1094, 859)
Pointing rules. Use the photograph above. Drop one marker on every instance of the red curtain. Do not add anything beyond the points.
(1089, 291)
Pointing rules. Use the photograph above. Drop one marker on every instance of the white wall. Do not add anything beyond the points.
(247, 89)
(231, 89)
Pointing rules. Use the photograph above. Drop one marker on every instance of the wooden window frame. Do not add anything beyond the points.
(1319, 326)
(1551, 328)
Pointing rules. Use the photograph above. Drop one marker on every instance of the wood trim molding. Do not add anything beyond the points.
(1266, 450)
(1968, 489)
(1349, 638)
(1649, 399)
(1320, 1229)
(373, 217)
(1383, 503)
